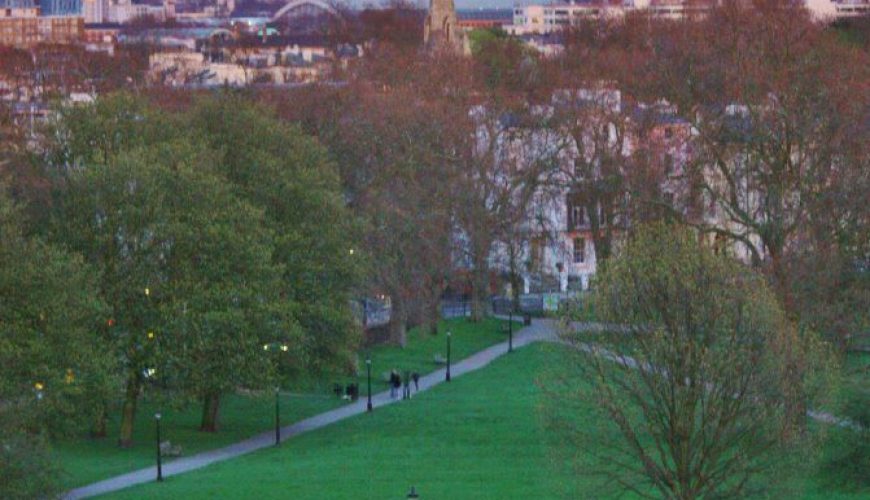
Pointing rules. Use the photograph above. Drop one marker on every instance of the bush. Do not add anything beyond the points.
(26, 468)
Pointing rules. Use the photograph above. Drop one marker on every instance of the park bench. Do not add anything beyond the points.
(439, 360)
(168, 450)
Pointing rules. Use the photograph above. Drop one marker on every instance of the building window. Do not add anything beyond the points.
(578, 215)
(579, 250)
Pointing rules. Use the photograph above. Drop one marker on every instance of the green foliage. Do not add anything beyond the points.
(505, 62)
(214, 232)
(700, 382)
(53, 363)
(26, 469)
(849, 461)
(286, 174)
(53, 367)
(480, 37)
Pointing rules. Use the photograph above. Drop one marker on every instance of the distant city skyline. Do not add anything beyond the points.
(463, 4)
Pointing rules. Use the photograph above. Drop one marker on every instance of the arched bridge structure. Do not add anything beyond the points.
(304, 9)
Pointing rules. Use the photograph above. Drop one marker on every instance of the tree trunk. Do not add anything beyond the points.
(210, 406)
(128, 411)
(398, 321)
(432, 311)
(479, 287)
(780, 277)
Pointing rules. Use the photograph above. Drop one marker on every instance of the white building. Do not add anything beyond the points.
(557, 248)
(554, 16)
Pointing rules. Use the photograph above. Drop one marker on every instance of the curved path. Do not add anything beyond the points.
(538, 331)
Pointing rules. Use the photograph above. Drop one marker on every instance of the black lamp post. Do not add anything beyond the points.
(511, 328)
(369, 377)
(448, 357)
(278, 348)
(159, 455)
(277, 416)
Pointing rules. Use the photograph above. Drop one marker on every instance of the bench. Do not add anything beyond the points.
(168, 450)
(439, 359)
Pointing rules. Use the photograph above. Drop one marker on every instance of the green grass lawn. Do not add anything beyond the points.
(418, 355)
(467, 338)
(88, 460)
(85, 460)
(479, 437)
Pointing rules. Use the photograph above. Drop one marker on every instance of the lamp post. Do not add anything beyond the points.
(159, 457)
(277, 417)
(278, 348)
(369, 377)
(448, 357)
(511, 328)
(413, 493)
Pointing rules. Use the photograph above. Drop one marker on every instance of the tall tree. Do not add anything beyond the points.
(776, 103)
(280, 170)
(54, 366)
(692, 382)
(186, 264)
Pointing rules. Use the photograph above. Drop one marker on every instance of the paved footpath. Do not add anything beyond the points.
(540, 330)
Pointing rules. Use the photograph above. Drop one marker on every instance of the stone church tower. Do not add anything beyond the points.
(441, 28)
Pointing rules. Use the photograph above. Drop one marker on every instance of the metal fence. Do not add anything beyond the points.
(455, 309)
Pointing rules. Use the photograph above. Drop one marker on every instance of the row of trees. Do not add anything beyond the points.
(749, 124)
(157, 251)
(753, 134)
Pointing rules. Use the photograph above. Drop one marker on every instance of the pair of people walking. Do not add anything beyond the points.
(404, 383)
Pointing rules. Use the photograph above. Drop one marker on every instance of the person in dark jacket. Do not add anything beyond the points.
(395, 383)
(416, 378)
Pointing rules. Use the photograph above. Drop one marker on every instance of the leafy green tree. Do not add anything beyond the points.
(223, 293)
(53, 366)
(187, 270)
(288, 175)
(694, 379)
(26, 468)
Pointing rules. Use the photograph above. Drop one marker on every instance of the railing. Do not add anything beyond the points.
(455, 309)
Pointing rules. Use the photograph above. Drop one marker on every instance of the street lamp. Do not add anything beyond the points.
(277, 348)
(369, 376)
(277, 417)
(159, 462)
(511, 328)
(448, 356)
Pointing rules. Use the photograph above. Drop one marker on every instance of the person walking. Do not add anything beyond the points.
(416, 378)
(395, 383)
(406, 385)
